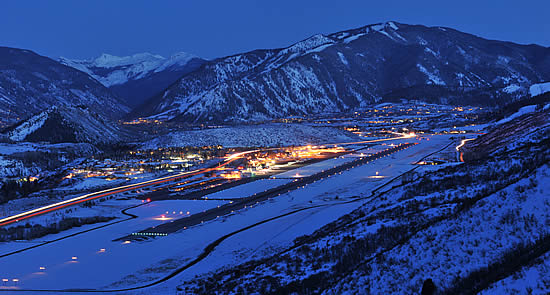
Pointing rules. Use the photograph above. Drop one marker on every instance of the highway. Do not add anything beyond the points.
(104, 193)
(209, 215)
(185, 222)
(462, 143)
(112, 191)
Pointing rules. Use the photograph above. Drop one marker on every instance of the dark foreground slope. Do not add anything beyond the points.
(477, 226)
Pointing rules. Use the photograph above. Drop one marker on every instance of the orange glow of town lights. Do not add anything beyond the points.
(231, 175)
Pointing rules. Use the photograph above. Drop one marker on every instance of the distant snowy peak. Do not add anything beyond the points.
(179, 59)
(538, 89)
(138, 77)
(111, 61)
(115, 70)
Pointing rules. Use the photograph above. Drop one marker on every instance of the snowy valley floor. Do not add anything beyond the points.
(121, 265)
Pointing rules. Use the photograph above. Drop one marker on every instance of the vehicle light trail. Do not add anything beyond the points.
(402, 136)
(111, 191)
(103, 193)
(462, 143)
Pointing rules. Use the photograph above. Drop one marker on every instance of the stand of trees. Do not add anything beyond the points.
(29, 232)
(13, 189)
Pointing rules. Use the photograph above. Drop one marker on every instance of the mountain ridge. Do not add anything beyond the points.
(347, 69)
(136, 77)
(31, 83)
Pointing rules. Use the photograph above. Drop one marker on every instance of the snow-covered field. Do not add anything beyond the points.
(11, 166)
(248, 189)
(538, 89)
(136, 263)
(63, 193)
(522, 111)
(255, 135)
(94, 267)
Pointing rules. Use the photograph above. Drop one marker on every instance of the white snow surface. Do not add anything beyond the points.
(522, 111)
(127, 68)
(248, 189)
(11, 168)
(511, 88)
(254, 135)
(137, 263)
(538, 89)
(456, 247)
(28, 127)
(432, 76)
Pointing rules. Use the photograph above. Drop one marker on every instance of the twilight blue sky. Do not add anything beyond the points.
(215, 28)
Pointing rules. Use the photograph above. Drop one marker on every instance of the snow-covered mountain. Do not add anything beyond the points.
(539, 88)
(139, 76)
(67, 124)
(30, 83)
(349, 69)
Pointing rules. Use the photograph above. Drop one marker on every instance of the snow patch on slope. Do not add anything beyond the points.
(538, 89)
(343, 58)
(120, 70)
(28, 127)
(511, 88)
(258, 135)
(433, 77)
(11, 168)
(524, 110)
(178, 59)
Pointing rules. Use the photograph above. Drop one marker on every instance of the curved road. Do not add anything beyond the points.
(103, 193)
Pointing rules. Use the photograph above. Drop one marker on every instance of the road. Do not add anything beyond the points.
(458, 147)
(183, 223)
(108, 192)
(294, 185)
(115, 190)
